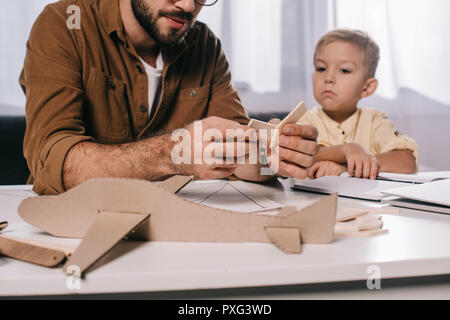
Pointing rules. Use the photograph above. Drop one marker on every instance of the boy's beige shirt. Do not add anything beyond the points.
(369, 128)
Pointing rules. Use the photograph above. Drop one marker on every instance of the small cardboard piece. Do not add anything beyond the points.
(348, 214)
(370, 216)
(286, 239)
(68, 250)
(347, 211)
(359, 225)
(256, 124)
(98, 211)
(362, 234)
(294, 116)
(359, 222)
(175, 183)
(41, 254)
(291, 118)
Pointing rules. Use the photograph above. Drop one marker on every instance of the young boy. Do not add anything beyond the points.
(360, 141)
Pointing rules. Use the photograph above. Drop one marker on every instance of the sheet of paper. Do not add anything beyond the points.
(348, 187)
(437, 192)
(228, 195)
(414, 204)
(420, 177)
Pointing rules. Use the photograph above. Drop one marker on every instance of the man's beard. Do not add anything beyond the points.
(147, 21)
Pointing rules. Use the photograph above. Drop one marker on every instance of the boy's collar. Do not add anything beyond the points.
(348, 125)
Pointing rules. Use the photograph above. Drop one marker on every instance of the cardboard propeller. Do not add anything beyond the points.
(104, 211)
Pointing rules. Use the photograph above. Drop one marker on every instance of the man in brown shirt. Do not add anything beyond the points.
(88, 108)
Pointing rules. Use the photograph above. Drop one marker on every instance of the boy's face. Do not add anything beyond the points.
(340, 78)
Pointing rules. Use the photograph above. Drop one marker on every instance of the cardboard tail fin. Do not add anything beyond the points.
(106, 232)
(286, 239)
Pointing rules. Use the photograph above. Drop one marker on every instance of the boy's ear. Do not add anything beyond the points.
(369, 88)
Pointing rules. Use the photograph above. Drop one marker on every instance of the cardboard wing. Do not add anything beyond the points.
(104, 211)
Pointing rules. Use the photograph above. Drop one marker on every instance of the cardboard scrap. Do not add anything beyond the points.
(43, 254)
(358, 222)
(291, 118)
(175, 183)
(359, 225)
(348, 214)
(378, 211)
(286, 239)
(256, 124)
(103, 211)
(68, 250)
(362, 234)
(369, 216)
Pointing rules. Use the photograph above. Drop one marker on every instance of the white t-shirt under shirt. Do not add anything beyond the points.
(154, 82)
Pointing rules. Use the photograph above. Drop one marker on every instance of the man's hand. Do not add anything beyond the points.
(360, 162)
(217, 158)
(298, 146)
(325, 168)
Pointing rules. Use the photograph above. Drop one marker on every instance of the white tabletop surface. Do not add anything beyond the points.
(418, 245)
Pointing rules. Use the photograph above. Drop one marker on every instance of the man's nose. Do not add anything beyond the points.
(185, 5)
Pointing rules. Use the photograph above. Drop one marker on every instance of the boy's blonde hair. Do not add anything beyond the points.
(371, 51)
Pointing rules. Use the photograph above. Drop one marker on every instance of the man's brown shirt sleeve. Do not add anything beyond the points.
(88, 84)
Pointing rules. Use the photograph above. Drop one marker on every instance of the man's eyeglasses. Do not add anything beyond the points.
(206, 3)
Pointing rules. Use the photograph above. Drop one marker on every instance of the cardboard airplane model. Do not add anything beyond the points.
(104, 211)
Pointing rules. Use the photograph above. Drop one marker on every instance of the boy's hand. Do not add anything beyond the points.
(361, 163)
(325, 168)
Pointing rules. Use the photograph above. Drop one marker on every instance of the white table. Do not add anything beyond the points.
(413, 260)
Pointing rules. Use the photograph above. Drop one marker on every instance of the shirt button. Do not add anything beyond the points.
(193, 93)
(139, 69)
(111, 84)
(143, 108)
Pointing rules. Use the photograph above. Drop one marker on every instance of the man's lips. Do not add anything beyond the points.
(176, 23)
